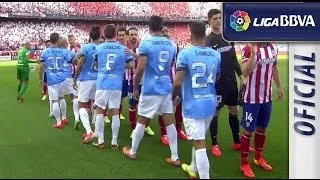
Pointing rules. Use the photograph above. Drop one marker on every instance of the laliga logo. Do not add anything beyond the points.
(240, 21)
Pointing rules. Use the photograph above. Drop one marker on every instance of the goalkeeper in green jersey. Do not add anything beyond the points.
(23, 70)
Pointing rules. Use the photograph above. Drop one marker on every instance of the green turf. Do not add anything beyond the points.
(31, 148)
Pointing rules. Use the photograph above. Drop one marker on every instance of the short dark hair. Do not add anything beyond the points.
(70, 36)
(198, 30)
(132, 28)
(213, 12)
(121, 28)
(155, 23)
(54, 38)
(110, 31)
(47, 41)
(95, 33)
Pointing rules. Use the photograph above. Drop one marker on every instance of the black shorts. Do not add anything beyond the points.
(227, 96)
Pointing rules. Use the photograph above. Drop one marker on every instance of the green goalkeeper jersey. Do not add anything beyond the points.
(23, 57)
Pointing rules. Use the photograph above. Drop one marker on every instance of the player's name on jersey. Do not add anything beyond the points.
(304, 112)
(271, 21)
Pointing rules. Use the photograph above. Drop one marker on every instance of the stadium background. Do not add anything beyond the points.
(31, 148)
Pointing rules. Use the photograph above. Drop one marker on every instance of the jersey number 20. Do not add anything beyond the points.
(201, 74)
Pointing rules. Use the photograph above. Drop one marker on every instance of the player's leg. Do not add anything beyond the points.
(147, 107)
(164, 136)
(54, 98)
(114, 105)
(178, 116)
(25, 82)
(166, 109)
(19, 77)
(44, 87)
(123, 95)
(248, 122)
(215, 149)
(63, 91)
(83, 98)
(132, 109)
(101, 100)
(260, 135)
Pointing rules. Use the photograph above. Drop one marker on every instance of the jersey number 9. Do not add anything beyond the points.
(55, 63)
(163, 59)
(202, 73)
(111, 59)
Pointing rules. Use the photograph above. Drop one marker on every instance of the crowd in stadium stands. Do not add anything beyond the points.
(171, 10)
(12, 33)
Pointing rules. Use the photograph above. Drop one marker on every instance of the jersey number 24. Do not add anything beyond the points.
(202, 73)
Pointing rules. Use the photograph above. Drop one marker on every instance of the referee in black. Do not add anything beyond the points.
(226, 86)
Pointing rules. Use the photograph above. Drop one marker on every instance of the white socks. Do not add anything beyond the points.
(51, 111)
(115, 129)
(193, 164)
(84, 116)
(172, 138)
(75, 109)
(63, 108)
(56, 112)
(202, 163)
(99, 128)
(137, 136)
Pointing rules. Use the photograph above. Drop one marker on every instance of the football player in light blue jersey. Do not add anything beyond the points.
(197, 71)
(52, 59)
(86, 73)
(63, 43)
(154, 64)
(112, 62)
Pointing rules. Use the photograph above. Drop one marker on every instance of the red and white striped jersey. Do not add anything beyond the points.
(258, 87)
(129, 73)
(173, 69)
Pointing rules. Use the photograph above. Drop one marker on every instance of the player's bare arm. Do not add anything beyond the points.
(177, 86)
(132, 53)
(237, 68)
(41, 72)
(78, 71)
(75, 59)
(277, 81)
(247, 66)
(130, 65)
(142, 62)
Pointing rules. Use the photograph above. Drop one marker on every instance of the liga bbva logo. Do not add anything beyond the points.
(240, 21)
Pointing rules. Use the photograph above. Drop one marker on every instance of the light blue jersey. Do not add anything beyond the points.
(160, 52)
(202, 65)
(89, 71)
(67, 66)
(54, 58)
(111, 65)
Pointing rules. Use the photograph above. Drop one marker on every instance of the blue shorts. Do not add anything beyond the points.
(256, 115)
(45, 78)
(124, 88)
(132, 102)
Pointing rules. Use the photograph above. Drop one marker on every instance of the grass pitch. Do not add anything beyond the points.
(31, 148)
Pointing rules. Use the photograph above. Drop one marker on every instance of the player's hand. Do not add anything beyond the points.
(242, 81)
(176, 101)
(280, 94)
(129, 51)
(75, 86)
(135, 94)
(253, 47)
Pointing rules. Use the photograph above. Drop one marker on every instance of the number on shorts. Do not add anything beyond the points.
(249, 117)
(163, 59)
(55, 63)
(203, 72)
(111, 59)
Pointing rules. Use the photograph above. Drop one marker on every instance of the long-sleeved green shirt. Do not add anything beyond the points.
(23, 57)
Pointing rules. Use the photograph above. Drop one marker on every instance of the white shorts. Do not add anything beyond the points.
(86, 90)
(68, 85)
(196, 129)
(148, 106)
(56, 91)
(112, 98)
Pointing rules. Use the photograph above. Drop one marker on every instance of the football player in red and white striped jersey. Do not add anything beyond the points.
(259, 66)
(178, 113)
(133, 45)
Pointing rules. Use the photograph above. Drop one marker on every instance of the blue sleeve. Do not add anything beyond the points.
(129, 58)
(42, 56)
(181, 62)
(143, 48)
(83, 51)
(72, 55)
(95, 56)
(66, 55)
